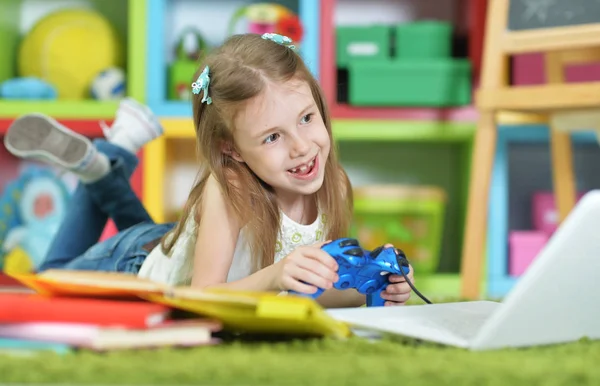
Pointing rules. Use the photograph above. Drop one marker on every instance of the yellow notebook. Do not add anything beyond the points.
(244, 311)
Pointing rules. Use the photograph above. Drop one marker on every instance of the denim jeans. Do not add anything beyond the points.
(75, 245)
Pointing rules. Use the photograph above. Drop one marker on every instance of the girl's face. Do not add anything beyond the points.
(281, 136)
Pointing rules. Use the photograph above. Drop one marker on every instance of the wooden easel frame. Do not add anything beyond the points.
(561, 45)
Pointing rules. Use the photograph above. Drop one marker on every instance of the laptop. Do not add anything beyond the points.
(557, 299)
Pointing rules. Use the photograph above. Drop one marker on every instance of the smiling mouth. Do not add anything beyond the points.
(303, 169)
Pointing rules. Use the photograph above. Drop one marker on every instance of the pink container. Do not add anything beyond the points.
(528, 69)
(544, 213)
(523, 248)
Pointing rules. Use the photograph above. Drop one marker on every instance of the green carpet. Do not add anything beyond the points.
(314, 362)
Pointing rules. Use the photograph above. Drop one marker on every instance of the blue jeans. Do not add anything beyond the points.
(75, 245)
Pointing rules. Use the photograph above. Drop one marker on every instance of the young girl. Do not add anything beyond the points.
(271, 190)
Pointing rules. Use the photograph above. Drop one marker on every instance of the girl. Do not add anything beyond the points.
(271, 190)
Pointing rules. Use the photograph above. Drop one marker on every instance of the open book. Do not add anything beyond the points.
(243, 311)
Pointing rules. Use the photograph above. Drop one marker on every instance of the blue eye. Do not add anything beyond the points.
(307, 118)
(272, 138)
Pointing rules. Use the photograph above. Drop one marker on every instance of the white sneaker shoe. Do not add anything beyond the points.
(134, 126)
(39, 137)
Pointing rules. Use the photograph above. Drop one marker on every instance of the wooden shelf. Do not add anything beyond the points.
(344, 111)
(394, 130)
(63, 109)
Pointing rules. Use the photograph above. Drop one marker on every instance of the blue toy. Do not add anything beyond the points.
(365, 271)
(27, 88)
(34, 206)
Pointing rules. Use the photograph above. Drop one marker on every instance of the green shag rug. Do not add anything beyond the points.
(355, 361)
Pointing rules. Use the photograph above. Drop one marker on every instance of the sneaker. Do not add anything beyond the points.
(134, 126)
(39, 137)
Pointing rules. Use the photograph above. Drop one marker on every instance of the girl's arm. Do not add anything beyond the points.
(217, 237)
(218, 232)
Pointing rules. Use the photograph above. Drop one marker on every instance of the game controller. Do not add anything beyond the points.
(365, 271)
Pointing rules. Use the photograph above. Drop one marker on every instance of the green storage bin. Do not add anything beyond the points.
(409, 217)
(423, 40)
(362, 42)
(443, 82)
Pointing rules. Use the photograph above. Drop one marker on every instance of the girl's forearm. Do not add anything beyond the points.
(259, 281)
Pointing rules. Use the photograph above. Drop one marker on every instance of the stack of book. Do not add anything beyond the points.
(37, 322)
(68, 310)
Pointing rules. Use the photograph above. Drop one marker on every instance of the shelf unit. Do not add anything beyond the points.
(149, 26)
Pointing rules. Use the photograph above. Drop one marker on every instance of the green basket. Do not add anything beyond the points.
(410, 82)
(362, 42)
(423, 40)
(409, 217)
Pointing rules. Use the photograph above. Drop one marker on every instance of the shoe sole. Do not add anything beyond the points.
(38, 136)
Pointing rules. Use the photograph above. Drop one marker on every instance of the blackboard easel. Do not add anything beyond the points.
(566, 32)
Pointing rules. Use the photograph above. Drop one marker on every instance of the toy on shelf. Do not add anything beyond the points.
(405, 65)
(109, 84)
(68, 49)
(524, 245)
(27, 88)
(33, 207)
(190, 49)
(408, 216)
(269, 18)
(365, 271)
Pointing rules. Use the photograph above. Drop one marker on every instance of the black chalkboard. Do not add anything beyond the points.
(532, 14)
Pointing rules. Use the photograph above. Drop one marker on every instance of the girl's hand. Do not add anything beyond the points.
(305, 269)
(398, 292)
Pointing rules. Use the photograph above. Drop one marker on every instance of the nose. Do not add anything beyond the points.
(300, 147)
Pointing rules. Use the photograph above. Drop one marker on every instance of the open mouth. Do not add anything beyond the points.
(304, 169)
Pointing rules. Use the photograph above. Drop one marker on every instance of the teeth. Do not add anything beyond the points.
(303, 168)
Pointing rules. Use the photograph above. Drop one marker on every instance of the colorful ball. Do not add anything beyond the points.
(68, 49)
(109, 84)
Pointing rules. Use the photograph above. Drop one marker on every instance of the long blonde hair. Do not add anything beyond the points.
(238, 70)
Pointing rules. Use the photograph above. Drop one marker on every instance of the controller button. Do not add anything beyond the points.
(346, 281)
(355, 252)
(349, 243)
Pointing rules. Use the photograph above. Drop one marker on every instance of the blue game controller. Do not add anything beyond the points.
(365, 271)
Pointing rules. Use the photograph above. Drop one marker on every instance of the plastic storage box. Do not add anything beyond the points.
(409, 217)
(414, 82)
(544, 213)
(423, 40)
(524, 246)
(362, 42)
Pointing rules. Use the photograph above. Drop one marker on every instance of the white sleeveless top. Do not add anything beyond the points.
(177, 269)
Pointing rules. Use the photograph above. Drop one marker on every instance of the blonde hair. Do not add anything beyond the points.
(238, 70)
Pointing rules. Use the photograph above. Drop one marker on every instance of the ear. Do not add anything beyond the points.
(228, 149)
